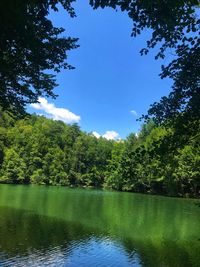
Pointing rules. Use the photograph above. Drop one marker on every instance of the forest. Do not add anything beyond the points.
(163, 158)
(37, 150)
(109, 173)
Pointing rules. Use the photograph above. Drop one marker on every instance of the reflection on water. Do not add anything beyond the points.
(52, 226)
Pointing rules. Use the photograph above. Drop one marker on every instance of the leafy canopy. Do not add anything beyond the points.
(31, 49)
(175, 27)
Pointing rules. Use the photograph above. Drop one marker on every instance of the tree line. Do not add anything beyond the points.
(37, 150)
(164, 158)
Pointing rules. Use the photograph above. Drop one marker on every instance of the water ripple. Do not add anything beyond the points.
(94, 251)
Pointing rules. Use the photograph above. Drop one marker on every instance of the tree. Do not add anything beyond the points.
(38, 150)
(30, 46)
(188, 169)
(1, 153)
(31, 49)
(114, 177)
(175, 27)
(13, 167)
(54, 167)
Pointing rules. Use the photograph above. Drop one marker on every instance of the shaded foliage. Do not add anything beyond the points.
(175, 27)
(30, 46)
(31, 49)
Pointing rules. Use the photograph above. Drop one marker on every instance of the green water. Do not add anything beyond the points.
(54, 226)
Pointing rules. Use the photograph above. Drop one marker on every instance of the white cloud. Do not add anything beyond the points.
(109, 135)
(134, 113)
(55, 113)
(97, 135)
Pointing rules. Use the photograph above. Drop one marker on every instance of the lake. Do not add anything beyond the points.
(57, 226)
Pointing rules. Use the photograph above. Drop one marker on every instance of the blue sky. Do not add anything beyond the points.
(111, 79)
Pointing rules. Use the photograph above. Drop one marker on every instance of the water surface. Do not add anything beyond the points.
(56, 226)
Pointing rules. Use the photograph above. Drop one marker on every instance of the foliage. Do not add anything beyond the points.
(13, 167)
(175, 27)
(36, 150)
(165, 156)
(31, 49)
